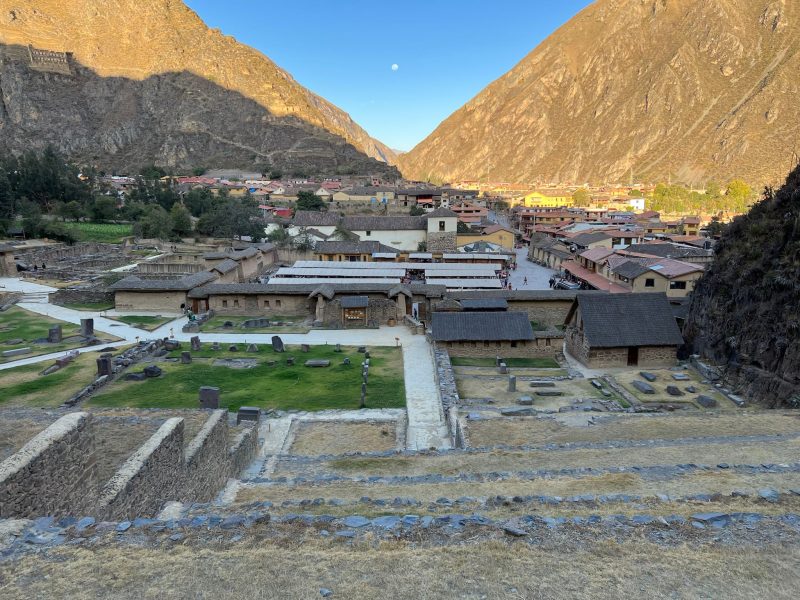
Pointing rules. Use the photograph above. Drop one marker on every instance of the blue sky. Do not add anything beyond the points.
(446, 51)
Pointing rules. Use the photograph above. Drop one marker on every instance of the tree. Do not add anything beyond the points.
(155, 223)
(151, 172)
(275, 174)
(104, 209)
(198, 171)
(181, 219)
(279, 236)
(636, 194)
(463, 228)
(715, 227)
(713, 189)
(309, 201)
(199, 201)
(71, 210)
(581, 197)
(234, 217)
(343, 234)
(416, 211)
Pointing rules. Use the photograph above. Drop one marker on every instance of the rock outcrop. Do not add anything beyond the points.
(745, 311)
(646, 89)
(122, 83)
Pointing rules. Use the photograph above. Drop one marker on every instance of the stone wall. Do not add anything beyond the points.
(379, 310)
(442, 241)
(540, 347)
(150, 477)
(82, 296)
(54, 473)
(597, 358)
(261, 305)
(150, 301)
(206, 459)
(545, 312)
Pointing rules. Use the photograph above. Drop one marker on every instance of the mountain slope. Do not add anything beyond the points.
(745, 311)
(137, 44)
(698, 89)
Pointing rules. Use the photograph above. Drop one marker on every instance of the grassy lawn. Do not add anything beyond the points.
(23, 386)
(278, 387)
(474, 361)
(110, 233)
(215, 325)
(147, 322)
(17, 323)
(90, 306)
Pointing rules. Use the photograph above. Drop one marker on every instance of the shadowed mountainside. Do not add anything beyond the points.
(745, 311)
(151, 40)
(695, 89)
(173, 119)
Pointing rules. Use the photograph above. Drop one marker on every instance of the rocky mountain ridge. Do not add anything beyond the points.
(644, 89)
(146, 64)
(745, 311)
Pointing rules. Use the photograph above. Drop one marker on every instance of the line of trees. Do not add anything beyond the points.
(41, 192)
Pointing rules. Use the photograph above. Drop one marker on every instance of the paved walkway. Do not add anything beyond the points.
(538, 276)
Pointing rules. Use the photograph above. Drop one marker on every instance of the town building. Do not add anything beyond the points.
(622, 330)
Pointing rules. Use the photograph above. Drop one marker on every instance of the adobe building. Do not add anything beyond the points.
(491, 333)
(157, 295)
(622, 330)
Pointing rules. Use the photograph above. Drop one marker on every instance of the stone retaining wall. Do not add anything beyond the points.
(149, 477)
(78, 296)
(54, 473)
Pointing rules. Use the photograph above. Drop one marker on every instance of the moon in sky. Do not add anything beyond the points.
(395, 66)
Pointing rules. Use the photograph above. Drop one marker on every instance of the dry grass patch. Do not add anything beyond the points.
(556, 570)
(609, 483)
(519, 431)
(15, 433)
(499, 460)
(313, 438)
(497, 390)
(24, 386)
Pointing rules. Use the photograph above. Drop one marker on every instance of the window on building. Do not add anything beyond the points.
(266, 303)
(236, 304)
(441, 225)
(514, 344)
(485, 344)
(449, 344)
(546, 341)
(649, 283)
(277, 303)
(369, 233)
(498, 345)
(677, 285)
(224, 304)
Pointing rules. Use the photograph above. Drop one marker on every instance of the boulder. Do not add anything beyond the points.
(525, 400)
(706, 401)
(673, 390)
(648, 376)
(152, 371)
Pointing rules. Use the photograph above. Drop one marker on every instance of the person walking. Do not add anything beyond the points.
(525, 281)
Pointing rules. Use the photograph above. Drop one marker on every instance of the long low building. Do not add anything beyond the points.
(339, 280)
(336, 272)
(408, 266)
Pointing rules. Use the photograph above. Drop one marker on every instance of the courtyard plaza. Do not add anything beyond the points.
(426, 427)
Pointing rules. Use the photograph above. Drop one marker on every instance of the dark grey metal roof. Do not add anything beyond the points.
(484, 304)
(306, 289)
(226, 266)
(344, 247)
(630, 269)
(368, 223)
(620, 320)
(189, 282)
(480, 326)
(312, 218)
(585, 239)
(518, 295)
(354, 301)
